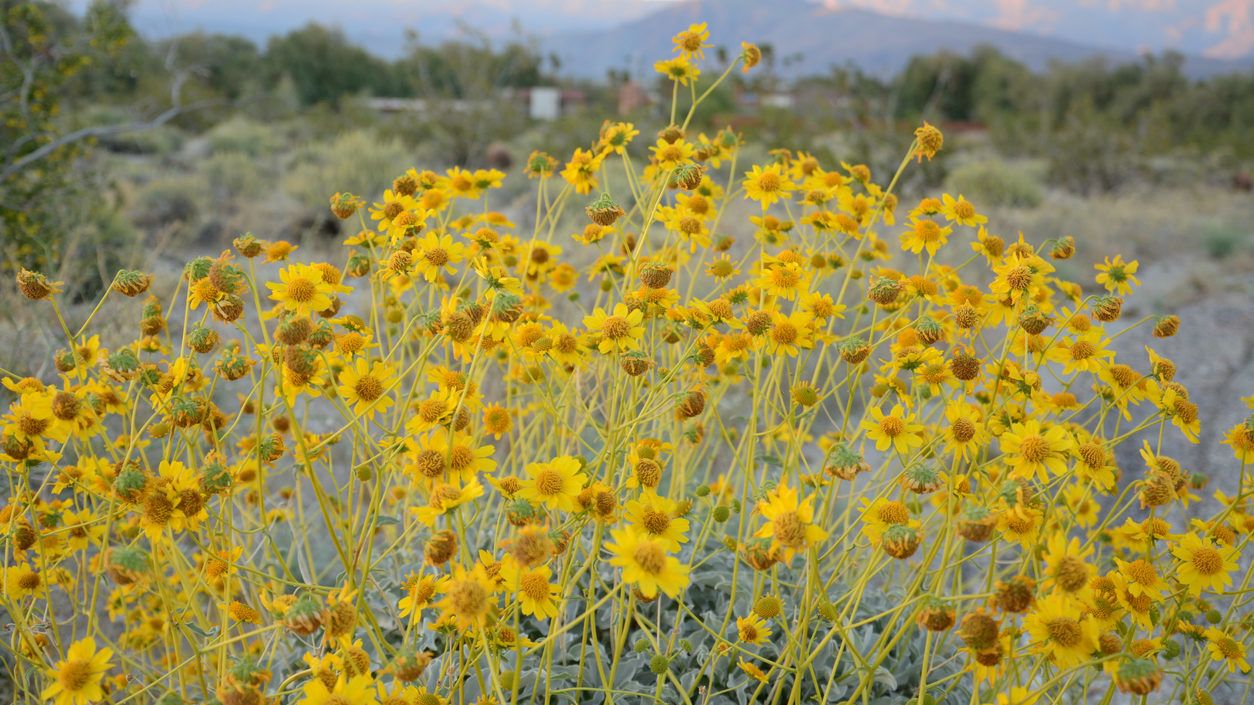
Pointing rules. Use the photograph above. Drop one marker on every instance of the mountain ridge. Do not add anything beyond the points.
(877, 43)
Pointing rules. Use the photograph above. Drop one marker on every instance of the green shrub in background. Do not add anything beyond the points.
(168, 200)
(998, 183)
(243, 135)
(233, 175)
(352, 162)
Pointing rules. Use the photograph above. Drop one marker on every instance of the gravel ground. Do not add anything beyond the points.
(1214, 356)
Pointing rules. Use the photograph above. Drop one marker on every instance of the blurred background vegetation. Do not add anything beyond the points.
(116, 150)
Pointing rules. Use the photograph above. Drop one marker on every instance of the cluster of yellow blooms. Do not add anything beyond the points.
(441, 468)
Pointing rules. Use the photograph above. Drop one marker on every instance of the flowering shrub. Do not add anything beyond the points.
(864, 454)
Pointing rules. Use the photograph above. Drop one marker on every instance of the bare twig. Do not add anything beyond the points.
(176, 109)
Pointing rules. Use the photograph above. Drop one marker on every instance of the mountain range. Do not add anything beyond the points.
(810, 38)
(879, 36)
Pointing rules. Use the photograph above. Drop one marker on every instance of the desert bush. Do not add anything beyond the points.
(997, 183)
(168, 200)
(232, 175)
(1090, 154)
(357, 162)
(1223, 242)
(241, 134)
(92, 251)
(843, 449)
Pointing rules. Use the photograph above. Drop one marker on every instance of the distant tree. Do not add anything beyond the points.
(325, 67)
(999, 85)
(227, 66)
(466, 85)
(938, 86)
(466, 67)
(1218, 113)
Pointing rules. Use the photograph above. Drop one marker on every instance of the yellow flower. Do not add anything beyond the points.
(436, 410)
(444, 497)
(879, 515)
(690, 227)
(751, 55)
(646, 564)
(617, 332)
(1096, 463)
(1241, 439)
(173, 501)
(1059, 631)
(658, 518)
(387, 212)
(467, 597)
(680, 69)
(1020, 523)
(485, 179)
(1174, 401)
(498, 420)
(1031, 451)
(1142, 578)
(581, 171)
(783, 279)
(593, 233)
(31, 417)
(616, 136)
(364, 386)
(87, 352)
(959, 210)
(1018, 695)
(21, 581)
(789, 522)
(1116, 275)
(496, 277)
(539, 257)
(792, 333)
(536, 595)
(671, 155)
(446, 455)
(966, 433)
(752, 630)
(436, 255)
(1018, 274)
(1066, 569)
(1083, 507)
(76, 679)
(1203, 565)
(1086, 353)
(355, 689)
(925, 234)
(1226, 649)
(897, 429)
(555, 484)
(988, 245)
(568, 348)
(301, 290)
(279, 250)
(461, 184)
(928, 141)
(419, 591)
(692, 41)
(241, 612)
(767, 185)
(752, 670)
(822, 306)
